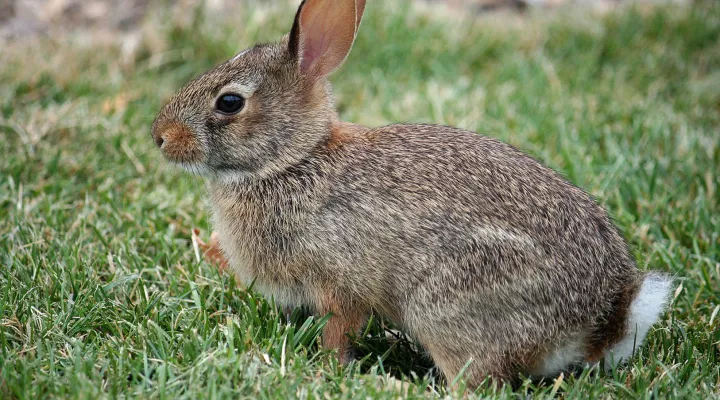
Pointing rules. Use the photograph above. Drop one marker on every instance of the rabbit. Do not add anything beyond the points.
(495, 264)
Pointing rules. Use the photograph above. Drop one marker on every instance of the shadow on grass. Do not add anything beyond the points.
(384, 347)
(393, 353)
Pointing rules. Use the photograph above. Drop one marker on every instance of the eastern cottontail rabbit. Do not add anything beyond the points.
(474, 248)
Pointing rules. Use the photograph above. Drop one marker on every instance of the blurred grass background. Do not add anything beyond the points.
(101, 293)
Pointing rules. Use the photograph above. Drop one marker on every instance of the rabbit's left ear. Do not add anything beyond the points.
(359, 11)
(323, 34)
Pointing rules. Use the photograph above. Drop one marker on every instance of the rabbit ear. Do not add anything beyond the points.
(359, 11)
(323, 34)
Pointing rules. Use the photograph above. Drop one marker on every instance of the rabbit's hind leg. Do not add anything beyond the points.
(481, 367)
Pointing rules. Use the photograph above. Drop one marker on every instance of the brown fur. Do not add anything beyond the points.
(346, 320)
(343, 133)
(471, 246)
(614, 326)
(178, 143)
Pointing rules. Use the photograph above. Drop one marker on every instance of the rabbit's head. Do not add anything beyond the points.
(266, 108)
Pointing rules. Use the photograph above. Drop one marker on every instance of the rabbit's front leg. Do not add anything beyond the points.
(345, 321)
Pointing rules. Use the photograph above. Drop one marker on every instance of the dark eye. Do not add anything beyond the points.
(230, 103)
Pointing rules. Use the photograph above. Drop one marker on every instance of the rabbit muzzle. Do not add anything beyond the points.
(177, 143)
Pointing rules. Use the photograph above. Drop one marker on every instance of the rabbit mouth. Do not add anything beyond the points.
(195, 168)
(183, 156)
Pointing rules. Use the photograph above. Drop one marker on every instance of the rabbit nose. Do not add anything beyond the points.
(158, 134)
(177, 142)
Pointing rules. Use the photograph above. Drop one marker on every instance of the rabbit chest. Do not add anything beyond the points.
(264, 236)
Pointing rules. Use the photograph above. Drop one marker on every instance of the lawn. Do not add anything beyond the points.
(102, 293)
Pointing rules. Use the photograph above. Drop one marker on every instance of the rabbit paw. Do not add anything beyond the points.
(211, 250)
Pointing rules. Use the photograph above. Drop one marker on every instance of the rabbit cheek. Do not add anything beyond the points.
(180, 145)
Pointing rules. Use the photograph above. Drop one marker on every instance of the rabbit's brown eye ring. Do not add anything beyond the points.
(229, 103)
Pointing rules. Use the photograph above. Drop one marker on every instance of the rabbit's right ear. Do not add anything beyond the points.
(323, 33)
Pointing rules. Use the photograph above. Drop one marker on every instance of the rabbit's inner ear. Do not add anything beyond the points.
(359, 11)
(323, 34)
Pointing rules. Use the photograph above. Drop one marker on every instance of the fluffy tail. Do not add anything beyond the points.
(650, 301)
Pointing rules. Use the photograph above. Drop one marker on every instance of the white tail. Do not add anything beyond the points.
(645, 309)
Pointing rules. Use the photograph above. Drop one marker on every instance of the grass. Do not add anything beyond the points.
(101, 294)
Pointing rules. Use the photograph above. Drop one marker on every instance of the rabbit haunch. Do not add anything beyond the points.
(472, 247)
(644, 311)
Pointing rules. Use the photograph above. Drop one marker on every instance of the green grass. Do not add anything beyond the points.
(100, 290)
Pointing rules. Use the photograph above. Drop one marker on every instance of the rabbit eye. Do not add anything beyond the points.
(230, 103)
